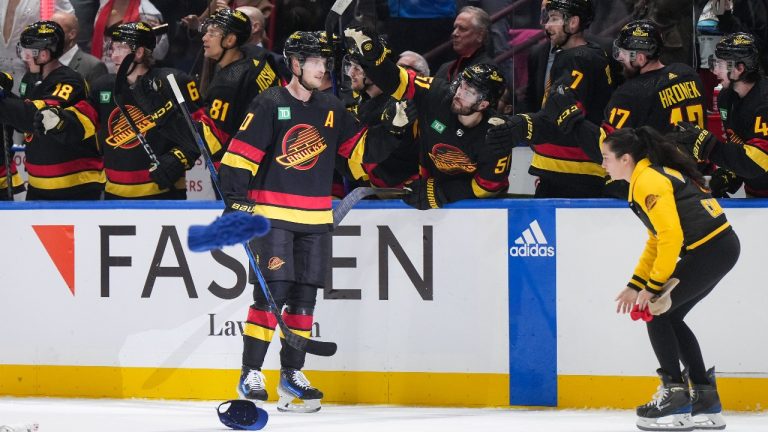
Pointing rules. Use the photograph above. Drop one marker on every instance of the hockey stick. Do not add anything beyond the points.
(299, 342)
(356, 195)
(7, 149)
(121, 79)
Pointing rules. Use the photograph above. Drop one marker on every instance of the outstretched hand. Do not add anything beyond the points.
(366, 43)
(563, 109)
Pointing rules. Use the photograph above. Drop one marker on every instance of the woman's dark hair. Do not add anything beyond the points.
(646, 142)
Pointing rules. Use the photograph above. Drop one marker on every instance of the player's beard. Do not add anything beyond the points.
(457, 108)
(629, 72)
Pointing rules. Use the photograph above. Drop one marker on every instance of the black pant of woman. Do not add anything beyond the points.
(699, 271)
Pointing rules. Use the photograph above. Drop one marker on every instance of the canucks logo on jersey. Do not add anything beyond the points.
(302, 146)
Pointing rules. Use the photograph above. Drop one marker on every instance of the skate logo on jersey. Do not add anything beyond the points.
(120, 134)
(532, 243)
(302, 146)
(451, 160)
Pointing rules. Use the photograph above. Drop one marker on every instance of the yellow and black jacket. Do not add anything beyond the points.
(679, 216)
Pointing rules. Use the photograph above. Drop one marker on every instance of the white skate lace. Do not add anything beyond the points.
(658, 397)
(254, 380)
(298, 378)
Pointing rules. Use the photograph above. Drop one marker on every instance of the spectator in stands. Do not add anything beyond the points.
(85, 11)
(78, 60)
(254, 47)
(469, 39)
(15, 15)
(414, 61)
(499, 31)
(194, 21)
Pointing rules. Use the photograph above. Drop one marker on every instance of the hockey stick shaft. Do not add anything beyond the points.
(299, 342)
(121, 80)
(358, 194)
(7, 149)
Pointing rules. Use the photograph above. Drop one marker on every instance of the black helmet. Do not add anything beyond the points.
(640, 35)
(231, 21)
(135, 34)
(486, 79)
(740, 48)
(304, 44)
(44, 35)
(580, 8)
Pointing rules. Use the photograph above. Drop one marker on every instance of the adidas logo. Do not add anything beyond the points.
(532, 243)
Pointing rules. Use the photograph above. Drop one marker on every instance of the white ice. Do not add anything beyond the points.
(108, 415)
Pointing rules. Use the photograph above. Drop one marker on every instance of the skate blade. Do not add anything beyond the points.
(709, 421)
(286, 404)
(678, 422)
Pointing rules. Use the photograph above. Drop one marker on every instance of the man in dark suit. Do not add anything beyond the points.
(80, 61)
(469, 39)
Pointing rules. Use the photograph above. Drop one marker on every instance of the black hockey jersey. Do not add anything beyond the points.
(586, 70)
(65, 165)
(228, 96)
(455, 155)
(284, 154)
(126, 162)
(745, 151)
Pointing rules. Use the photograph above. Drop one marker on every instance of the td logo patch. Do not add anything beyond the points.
(283, 113)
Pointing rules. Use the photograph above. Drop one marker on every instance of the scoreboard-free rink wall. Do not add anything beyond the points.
(485, 303)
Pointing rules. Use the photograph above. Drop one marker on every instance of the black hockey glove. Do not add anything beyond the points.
(150, 96)
(504, 134)
(425, 194)
(365, 44)
(699, 142)
(171, 168)
(48, 120)
(398, 116)
(563, 109)
(237, 204)
(6, 84)
(724, 182)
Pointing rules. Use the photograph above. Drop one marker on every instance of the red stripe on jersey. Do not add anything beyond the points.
(128, 177)
(290, 200)
(759, 143)
(262, 318)
(411, 88)
(561, 152)
(491, 185)
(298, 322)
(202, 117)
(65, 168)
(87, 110)
(245, 150)
(347, 147)
(607, 128)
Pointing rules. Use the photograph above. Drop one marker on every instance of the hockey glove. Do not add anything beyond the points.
(723, 182)
(6, 84)
(237, 204)
(699, 142)
(503, 135)
(366, 43)
(425, 194)
(563, 109)
(171, 168)
(48, 120)
(398, 115)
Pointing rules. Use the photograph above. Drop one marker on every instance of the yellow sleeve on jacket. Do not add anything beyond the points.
(645, 264)
(655, 195)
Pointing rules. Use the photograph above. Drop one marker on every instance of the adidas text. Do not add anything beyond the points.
(532, 243)
(532, 250)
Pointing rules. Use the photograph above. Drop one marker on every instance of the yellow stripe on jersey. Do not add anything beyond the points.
(567, 167)
(302, 333)
(305, 217)
(140, 190)
(237, 161)
(39, 104)
(709, 236)
(400, 91)
(89, 128)
(480, 192)
(16, 180)
(258, 332)
(757, 156)
(68, 180)
(210, 139)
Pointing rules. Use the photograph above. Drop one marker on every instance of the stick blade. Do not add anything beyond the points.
(323, 349)
(229, 229)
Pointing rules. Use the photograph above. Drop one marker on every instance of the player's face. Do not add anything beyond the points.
(356, 75)
(553, 22)
(212, 42)
(313, 71)
(626, 58)
(618, 167)
(720, 68)
(465, 99)
(118, 51)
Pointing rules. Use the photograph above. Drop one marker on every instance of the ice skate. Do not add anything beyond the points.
(294, 385)
(252, 386)
(669, 410)
(706, 404)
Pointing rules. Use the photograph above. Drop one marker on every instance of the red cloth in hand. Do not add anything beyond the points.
(637, 314)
